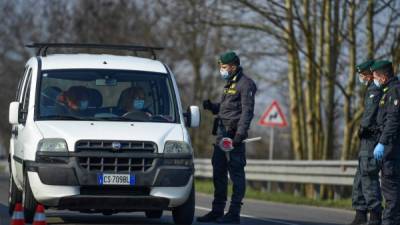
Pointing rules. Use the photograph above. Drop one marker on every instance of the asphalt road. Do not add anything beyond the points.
(253, 213)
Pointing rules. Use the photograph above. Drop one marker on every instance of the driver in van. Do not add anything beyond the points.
(133, 100)
(75, 99)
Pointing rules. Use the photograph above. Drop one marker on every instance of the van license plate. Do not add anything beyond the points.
(116, 179)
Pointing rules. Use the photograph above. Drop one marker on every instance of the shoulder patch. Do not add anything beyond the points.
(382, 101)
(385, 89)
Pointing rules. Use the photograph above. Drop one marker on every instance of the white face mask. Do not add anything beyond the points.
(224, 74)
(376, 82)
(362, 81)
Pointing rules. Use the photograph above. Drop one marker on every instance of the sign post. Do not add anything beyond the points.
(272, 117)
(271, 144)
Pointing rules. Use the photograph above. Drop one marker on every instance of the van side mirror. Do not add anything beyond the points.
(13, 113)
(192, 116)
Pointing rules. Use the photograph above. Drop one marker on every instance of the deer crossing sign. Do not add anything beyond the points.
(273, 116)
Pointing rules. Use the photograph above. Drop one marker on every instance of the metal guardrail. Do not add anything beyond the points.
(306, 172)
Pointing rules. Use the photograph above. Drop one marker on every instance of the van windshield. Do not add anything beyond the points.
(106, 95)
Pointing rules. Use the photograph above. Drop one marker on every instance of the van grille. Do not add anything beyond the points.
(97, 156)
(116, 146)
(115, 164)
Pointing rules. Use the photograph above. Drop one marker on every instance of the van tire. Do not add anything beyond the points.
(154, 214)
(184, 214)
(29, 202)
(14, 194)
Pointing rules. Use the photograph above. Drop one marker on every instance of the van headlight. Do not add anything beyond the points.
(53, 145)
(177, 147)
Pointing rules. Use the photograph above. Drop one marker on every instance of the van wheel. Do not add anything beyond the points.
(154, 214)
(14, 195)
(183, 214)
(28, 201)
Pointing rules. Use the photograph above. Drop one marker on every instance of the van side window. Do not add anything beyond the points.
(25, 95)
(19, 88)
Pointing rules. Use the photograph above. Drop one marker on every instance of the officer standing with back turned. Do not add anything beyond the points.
(387, 151)
(366, 194)
(234, 114)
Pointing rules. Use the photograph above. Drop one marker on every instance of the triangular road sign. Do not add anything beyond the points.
(273, 116)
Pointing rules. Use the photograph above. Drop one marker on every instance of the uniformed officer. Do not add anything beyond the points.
(388, 148)
(234, 114)
(366, 194)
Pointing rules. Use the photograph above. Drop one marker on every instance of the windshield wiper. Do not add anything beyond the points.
(61, 117)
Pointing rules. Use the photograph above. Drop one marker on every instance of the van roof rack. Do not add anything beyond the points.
(42, 47)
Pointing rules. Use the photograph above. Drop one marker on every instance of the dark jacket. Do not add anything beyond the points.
(371, 105)
(389, 119)
(236, 108)
(369, 130)
(369, 127)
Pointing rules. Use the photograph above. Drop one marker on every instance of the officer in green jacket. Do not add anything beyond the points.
(234, 111)
(366, 196)
(387, 150)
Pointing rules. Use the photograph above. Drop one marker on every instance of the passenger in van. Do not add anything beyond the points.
(133, 100)
(75, 99)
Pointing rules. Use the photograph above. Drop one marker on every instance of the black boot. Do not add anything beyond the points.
(212, 216)
(375, 218)
(360, 218)
(231, 218)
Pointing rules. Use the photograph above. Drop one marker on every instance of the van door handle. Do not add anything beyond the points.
(14, 131)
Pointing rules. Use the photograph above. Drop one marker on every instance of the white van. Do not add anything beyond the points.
(100, 133)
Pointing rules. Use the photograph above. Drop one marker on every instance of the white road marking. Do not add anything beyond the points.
(252, 217)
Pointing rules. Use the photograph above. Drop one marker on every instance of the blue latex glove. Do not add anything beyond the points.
(378, 151)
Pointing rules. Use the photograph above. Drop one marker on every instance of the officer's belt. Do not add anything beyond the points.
(229, 123)
(365, 153)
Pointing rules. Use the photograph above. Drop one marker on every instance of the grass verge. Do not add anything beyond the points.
(206, 186)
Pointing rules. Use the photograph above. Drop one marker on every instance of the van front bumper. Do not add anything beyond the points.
(60, 180)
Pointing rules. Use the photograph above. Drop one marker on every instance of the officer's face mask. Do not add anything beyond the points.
(224, 74)
(380, 78)
(363, 81)
(376, 82)
(138, 104)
